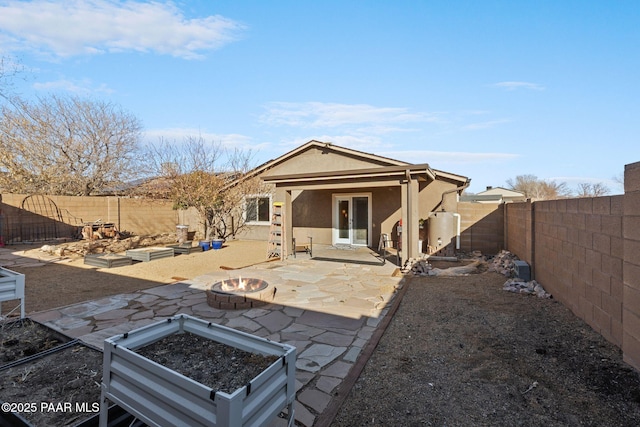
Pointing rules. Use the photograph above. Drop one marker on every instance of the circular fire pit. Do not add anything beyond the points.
(240, 293)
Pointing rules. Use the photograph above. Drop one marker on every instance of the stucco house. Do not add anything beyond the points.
(338, 195)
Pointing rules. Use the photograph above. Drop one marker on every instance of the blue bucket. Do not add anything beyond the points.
(217, 244)
(205, 245)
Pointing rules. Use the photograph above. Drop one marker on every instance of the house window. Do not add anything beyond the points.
(257, 208)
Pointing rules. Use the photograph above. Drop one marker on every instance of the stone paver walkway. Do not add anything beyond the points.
(328, 310)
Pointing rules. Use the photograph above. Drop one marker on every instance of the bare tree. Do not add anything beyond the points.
(205, 176)
(525, 184)
(67, 146)
(538, 189)
(9, 69)
(619, 179)
(586, 189)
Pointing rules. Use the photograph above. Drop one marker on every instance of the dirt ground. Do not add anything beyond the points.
(40, 388)
(72, 376)
(217, 366)
(60, 281)
(461, 351)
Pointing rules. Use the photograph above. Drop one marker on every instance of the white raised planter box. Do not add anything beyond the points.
(12, 287)
(160, 396)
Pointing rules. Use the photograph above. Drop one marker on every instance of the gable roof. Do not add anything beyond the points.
(326, 146)
(384, 162)
(494, 195)
(501, 191)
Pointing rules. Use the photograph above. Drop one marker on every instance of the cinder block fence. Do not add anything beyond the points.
(60, 216)
(586, 253)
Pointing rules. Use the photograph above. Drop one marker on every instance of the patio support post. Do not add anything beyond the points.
(410, 217)
(287, 225)
(404, 215)
(413, 225)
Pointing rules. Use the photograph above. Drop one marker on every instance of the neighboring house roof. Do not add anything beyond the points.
(494, 195)
(505, 192)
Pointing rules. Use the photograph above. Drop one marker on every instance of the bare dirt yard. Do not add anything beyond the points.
(56, 278)
(53, 280)
(459, 350)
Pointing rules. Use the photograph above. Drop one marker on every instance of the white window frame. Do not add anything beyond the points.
(256, 196)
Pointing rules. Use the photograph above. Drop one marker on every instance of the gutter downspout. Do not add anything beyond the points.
(457, 231)
(461, 188)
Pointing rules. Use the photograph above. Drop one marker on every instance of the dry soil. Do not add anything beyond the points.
(459, 351)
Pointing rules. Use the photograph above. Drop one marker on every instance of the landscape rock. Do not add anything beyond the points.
(417, 267)
(114, 245)
(522, 287)
(503, 263)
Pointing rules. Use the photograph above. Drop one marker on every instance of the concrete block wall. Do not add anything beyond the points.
(578, 258)
(144, 216)
(586, 253)
(140, 216)
(481, 227)
(518, 229)
(631, 266)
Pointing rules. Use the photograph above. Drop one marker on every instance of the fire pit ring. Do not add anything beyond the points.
(240, 293)
(239, 285)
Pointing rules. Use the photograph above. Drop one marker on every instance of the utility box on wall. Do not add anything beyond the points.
(523, 271)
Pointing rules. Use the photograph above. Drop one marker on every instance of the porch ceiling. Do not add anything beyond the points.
(385, 176)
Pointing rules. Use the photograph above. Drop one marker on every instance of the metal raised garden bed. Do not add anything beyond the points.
(184, 248)
(149, 254)
(12, 288)
(160, 396)
(107, 260)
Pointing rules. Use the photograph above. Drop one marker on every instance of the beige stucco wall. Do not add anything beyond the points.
(312, 211)
(315, 159)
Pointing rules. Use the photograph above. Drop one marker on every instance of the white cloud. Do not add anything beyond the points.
(82, 87)
(180, 135)
(362, 123)
(77, 27)
(332, 115)
(485, 125)
(449, 157)
(519, 85)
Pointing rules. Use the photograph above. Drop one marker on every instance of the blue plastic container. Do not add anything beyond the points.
(205, 245)
(217, 244)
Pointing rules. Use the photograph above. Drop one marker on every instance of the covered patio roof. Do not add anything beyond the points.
(382, 176)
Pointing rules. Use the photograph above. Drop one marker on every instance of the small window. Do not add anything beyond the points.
(257, 209)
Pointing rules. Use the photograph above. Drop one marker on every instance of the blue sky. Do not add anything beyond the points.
(485, 89)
